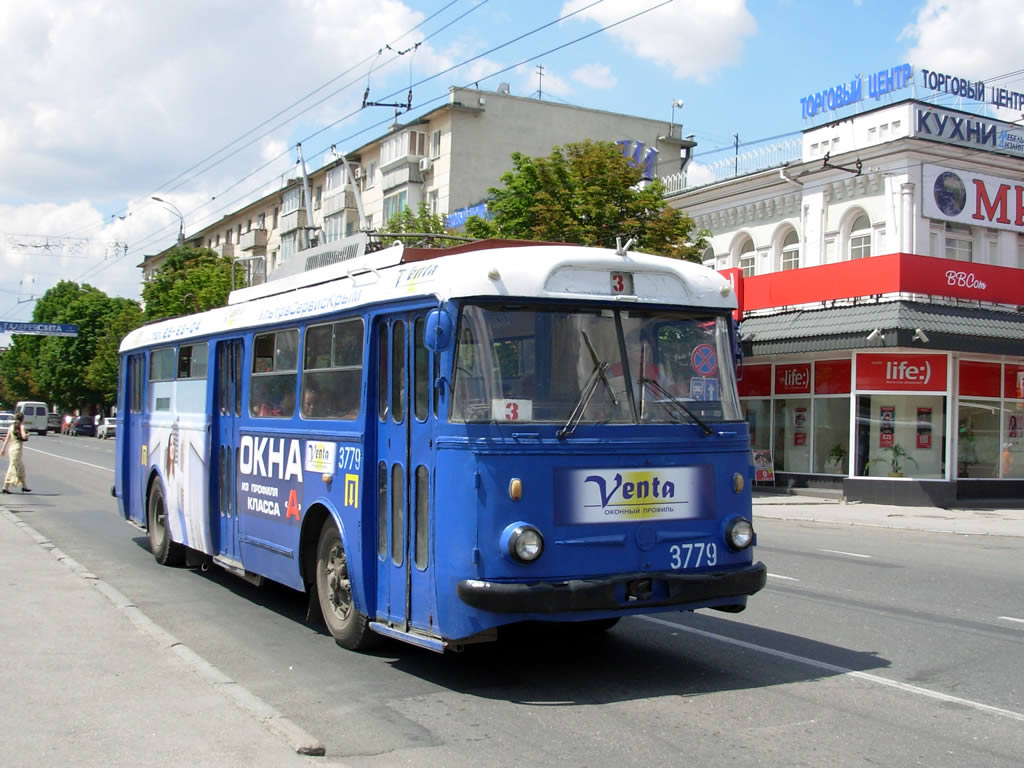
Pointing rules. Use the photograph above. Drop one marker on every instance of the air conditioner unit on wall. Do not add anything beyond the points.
(424, 164)
(357, 173)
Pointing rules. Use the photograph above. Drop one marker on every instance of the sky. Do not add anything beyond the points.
(108, 103)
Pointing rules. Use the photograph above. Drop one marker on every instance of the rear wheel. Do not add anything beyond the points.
(165, 551)
(349, 628)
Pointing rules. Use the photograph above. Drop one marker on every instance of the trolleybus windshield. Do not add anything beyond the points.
(552, 365)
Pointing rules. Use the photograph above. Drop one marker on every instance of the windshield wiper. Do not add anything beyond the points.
(663, 393)
(597, 361)
(584, 400)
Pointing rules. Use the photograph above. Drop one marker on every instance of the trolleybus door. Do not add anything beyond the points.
(131, 441)
(406, 430)
(227, 409)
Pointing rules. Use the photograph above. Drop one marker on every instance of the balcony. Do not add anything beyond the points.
(341, 201)
(224, 249)
(293, 220)
(254, 238)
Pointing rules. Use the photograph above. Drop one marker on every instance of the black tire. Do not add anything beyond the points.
(349, 628)
(166, 551)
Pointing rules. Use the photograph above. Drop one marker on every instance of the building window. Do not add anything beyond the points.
(371, 171)
(708, 259)
(335, 179)
(291, 200)
(435, 144)
(748, 259)
(959, 241)
(227, 237)
(275, 217)
(287, 247)
(333, 228)
(261, 221)
(394, 205)
(435, 200)
(791, 251)
(860, 238)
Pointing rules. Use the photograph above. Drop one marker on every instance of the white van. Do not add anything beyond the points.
(34, 416)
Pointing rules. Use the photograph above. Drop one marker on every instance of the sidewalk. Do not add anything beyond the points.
(982, 522)
(88, 680)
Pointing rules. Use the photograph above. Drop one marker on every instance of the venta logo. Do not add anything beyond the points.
(629, 492)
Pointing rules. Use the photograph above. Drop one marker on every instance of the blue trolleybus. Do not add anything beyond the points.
(436, 443)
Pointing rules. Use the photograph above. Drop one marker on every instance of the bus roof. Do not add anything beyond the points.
(488, 268)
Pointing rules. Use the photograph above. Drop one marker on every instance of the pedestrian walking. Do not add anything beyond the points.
(15, 436)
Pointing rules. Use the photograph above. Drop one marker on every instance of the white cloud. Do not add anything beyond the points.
(690, 39)
(105, 103)
(968, 38)
(594, 76)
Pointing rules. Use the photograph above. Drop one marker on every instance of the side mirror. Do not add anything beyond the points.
(439, 331)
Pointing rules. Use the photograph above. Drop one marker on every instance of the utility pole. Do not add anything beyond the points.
(736, 154)
(540, 82)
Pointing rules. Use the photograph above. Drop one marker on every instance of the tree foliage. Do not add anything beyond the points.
(59, 370)
(422, 222)
(587, 193)
(190, 280)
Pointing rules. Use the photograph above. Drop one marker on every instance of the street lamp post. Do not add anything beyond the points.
(676, 104)
(181, 218)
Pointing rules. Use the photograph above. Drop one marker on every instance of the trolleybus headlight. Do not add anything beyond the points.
(525, 544)
(739, 534)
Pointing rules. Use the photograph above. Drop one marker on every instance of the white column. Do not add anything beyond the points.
(907, 217)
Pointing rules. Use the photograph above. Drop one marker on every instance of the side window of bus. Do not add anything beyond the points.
(332, 370)
(192, 361)
(161, 368)
(274, 374)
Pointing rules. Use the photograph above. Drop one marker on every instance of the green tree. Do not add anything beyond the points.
(101, 375)
(190, 280)
(423, 222)
(56, 369)
(587, 193)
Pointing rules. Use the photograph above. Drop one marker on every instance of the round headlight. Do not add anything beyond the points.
(739, 534)
(525, 544)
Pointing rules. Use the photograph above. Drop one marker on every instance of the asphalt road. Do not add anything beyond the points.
(868, 646)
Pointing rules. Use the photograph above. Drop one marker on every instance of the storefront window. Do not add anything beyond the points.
(757, 413)
(978, 450)
(1011, 455)
(793, 434)
(832, 435)
(901, 435)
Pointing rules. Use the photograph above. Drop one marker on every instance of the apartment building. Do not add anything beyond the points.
(448, 158)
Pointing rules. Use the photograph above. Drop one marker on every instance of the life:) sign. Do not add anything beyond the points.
(910, 373)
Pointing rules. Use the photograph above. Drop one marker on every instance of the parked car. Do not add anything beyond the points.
(107, 428)
(6, 419)
(82, 425)
(53, 421)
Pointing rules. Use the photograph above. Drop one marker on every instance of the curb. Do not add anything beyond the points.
(273, 721)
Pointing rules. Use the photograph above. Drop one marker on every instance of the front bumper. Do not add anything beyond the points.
(603, 594)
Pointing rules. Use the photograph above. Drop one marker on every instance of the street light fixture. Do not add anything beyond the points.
(676, 104)
(181, 218)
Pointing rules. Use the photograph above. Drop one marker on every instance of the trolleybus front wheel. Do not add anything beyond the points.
(349, 628)
(165, 551)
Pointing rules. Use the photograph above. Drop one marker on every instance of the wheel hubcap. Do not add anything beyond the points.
(339, 587)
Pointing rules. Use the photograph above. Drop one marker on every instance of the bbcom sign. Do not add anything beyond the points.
(973, 198)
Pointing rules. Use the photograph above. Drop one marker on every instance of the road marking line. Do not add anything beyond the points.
(779, 576)
(914, 689)
(1010, 618)
(848, 554)
(76, 461)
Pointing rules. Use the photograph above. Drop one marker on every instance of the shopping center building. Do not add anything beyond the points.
(880, 280)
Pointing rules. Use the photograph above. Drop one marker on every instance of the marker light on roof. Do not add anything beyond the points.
(494, 274)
